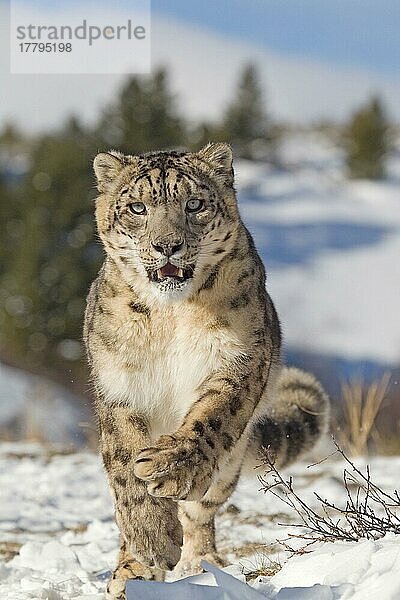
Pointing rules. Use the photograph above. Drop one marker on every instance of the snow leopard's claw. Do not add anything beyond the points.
(173, 469)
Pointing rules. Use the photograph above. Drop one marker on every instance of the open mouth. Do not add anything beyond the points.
(171, 271)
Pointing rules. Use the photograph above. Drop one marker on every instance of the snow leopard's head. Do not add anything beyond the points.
(167, 218)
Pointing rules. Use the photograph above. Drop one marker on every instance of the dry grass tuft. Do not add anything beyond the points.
(261, 566)
(356, 428)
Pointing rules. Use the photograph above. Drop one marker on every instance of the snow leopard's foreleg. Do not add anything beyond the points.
(151, 534)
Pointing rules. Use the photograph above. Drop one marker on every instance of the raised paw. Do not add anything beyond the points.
(174, 468)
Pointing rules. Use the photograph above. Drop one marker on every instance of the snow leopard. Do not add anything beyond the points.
(184, 347)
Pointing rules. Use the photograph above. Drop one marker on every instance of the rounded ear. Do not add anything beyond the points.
(219, 157)
(107, 165)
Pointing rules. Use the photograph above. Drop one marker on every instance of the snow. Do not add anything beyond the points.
(331, 247)
(342, 570)
(345, 308)
(33, 405)
(56, 511)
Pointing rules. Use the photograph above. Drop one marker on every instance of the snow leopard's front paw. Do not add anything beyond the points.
(175, 468)
(129, 569)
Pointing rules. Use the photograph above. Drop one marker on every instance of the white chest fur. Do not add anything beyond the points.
(159, 370)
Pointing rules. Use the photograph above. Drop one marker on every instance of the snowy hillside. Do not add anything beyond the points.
(331, 247)
(58, 539)
(37, 408)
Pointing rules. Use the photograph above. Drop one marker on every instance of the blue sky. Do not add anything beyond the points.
(363, 33)
(317, 59)
(354, 33)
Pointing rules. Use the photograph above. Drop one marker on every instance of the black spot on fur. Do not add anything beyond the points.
(215, 423)
(209, 282)
(139, 424)
(259, 337)
(240, 301)
(210, 442)
(227, 441)
(121, 481)
(137, 307)
(122, 455)
(105, 340)
(270, 434)
(111, 289)
(107, 460)
(234, 404)
(181, 455)
(202, 455)
(295, 439)
(244, 276)
(207, 504)
(198, 427)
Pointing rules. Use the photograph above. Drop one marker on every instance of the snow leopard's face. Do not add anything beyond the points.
(166, 218)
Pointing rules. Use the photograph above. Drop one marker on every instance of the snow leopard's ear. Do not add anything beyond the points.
(219, 157)
(107, 165)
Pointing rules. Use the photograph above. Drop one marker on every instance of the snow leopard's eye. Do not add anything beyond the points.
(194, 205)
(137, 208)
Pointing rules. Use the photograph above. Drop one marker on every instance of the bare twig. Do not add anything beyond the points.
(369, 512)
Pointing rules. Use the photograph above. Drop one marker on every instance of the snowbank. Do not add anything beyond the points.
(331, 247)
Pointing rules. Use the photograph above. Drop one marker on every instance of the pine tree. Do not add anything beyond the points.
(48, 275)
(11, 224)
(246, 124)
(144, 117)
(7, 211)
(366, 141)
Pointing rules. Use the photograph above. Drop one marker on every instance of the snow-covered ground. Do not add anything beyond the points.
(331, 247)
(58, 540)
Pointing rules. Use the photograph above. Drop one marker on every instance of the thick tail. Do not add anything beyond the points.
(298, 417)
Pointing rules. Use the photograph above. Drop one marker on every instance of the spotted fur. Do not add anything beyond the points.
(187, 369)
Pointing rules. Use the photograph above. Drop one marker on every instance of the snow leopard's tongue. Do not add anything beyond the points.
(169, 270)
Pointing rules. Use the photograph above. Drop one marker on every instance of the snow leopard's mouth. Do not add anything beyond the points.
(170, 271)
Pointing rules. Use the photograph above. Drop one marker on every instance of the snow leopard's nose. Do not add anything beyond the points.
(167, 246)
